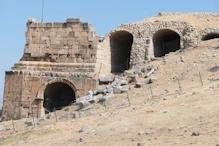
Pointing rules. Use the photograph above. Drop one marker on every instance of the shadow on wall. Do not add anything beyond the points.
(210, 36)
(165, 41)
(120, 47)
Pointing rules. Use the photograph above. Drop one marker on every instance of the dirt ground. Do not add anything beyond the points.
(169, 118)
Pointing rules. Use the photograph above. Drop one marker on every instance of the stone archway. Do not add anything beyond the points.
(56, 94)
(210, 36)
(120, 47)
(165, 41)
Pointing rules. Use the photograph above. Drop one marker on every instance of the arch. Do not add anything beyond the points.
(165, 41)
(120, 47)
(57, 93)
(210, 36)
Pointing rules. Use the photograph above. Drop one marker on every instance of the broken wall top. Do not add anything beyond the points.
(73, 41)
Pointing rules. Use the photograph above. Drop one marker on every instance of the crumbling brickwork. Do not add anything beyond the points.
(189, 27)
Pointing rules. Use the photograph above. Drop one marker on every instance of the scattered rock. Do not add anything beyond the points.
(40, 121)
(90, 92)
(182, 59)
(83, 129)
(107, 98)
(141, 133)
(214, 69)
(138, 72)
(123, 83)
(117, 90)
(151, 80)
(105, 79)
(141, 144)
(147, 132)
(134, 78)
(84, 104)
(50, 115)
(81, 139)
(109, 89)
(195, 133)
(2, 128)
(29, 122)
(150, 72)
(75, 115)
(138, 85)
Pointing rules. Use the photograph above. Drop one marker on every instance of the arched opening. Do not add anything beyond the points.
(165, 41)
(121, 45)
(210, 36)
(58, 95)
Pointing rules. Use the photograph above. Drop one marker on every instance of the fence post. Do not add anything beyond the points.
(201, 78)
(13, 125)
(55, 114)
(105, 105)
(33, 118)
(151, 92)
(128, 98)
(179, 85)
(79, 113)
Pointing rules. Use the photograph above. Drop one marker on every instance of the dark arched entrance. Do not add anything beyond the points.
(210, 36)
(58, 95)
(165, 41)
(120, 47)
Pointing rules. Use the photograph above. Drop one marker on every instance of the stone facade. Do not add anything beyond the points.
(63, 53)
(70, 55)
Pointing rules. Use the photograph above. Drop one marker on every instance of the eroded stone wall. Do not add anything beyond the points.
(73, 41)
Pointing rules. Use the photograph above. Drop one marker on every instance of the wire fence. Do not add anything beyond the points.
(148, 95)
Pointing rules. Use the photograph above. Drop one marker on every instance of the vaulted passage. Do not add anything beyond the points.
(121, 45)
(210, 36)
(58, 95)
(165, 41)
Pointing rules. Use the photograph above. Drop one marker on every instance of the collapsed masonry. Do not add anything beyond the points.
(62, 61)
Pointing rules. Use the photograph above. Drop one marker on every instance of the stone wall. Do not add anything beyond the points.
(73, 41)
(144, 31)
(24, 90)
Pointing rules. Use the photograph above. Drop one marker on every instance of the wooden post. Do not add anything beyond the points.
(201, 78)
(79, 113)
(151, 92)
(105, 105)
(13, 125)
(33, 118)
(179, 85)
(55, 114)
(128, 98)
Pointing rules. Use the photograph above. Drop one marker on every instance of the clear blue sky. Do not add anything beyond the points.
(105, 15)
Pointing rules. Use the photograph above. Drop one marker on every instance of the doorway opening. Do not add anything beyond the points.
(210, 36)
(165, 41)
(58, 95)
(120, 47)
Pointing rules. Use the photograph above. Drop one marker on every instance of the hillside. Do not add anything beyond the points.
(174, 116)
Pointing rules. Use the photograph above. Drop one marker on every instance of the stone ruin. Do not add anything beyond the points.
(62, 61)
